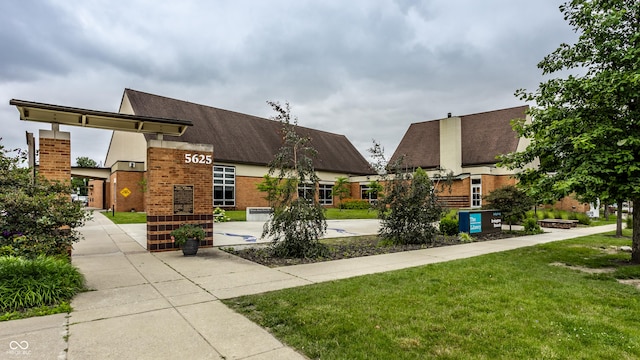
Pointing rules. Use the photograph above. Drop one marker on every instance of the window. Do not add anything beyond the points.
(476, 193)
(366, 193)
(224, 185)
(326, 194)
(305, 191)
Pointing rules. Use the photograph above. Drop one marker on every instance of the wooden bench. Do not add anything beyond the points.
(558, 223)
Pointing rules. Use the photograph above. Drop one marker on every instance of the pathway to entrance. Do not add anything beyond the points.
(166, 306)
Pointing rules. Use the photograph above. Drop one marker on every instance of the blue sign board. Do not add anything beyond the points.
(475, 223)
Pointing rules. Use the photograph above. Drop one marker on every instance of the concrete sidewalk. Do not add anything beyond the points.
(166, 306)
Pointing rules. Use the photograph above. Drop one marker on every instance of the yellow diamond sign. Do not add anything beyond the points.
(125, 192)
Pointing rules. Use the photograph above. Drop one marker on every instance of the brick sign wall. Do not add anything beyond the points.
(173, 170)
(55, 155)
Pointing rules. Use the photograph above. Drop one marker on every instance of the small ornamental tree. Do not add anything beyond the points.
(298, 220)
(408, 209)
(512, 202)
(342, 189)
(37, 217)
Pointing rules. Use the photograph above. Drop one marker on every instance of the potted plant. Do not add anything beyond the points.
(188, 237)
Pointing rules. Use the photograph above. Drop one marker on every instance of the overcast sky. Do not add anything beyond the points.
(366, 69)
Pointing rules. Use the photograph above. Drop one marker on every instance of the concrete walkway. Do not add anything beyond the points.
(166, 306)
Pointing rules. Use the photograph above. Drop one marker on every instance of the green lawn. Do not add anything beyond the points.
(240, 215)
(127, 217)
(337, 214)
(332, 214)
(510, 305)
(236, 215)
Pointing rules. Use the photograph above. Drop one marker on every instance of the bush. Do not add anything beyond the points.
(219, 215)
(355, 204)
(465, 237)
(409, 208)
(531, 226)
(629, 222)
(37, 217)
(43, 281)
(449, 226)
(583, 219)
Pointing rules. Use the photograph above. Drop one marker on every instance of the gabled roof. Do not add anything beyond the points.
(483, 137)
(420, 145)
(489, 134)
(246, 139)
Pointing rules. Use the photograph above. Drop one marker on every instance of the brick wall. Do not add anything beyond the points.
(166, 167)
(109, 191)
(96, 193)
(130, 180)
(493, 182)
(569, 203)
(55, 156)
(247, 193)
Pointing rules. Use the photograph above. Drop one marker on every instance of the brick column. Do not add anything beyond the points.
(55, 155)
(171, 164)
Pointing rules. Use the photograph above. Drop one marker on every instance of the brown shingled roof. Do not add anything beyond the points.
(246, 139)
(489, 134)
(484, 136)
(420, 146)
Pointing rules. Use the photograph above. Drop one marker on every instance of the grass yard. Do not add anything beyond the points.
(332, 214)
(127, 217)
(522, 304)
(337, 214)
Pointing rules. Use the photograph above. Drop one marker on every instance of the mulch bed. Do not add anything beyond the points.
(363, 246)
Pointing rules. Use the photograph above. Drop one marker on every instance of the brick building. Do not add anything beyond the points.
(468, 146)
(243, 147)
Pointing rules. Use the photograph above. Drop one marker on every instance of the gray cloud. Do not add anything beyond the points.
(363, 69)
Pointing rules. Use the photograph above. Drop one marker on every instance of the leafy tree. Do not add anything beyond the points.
(585, 131)
(409, 209)
(86, 162)
(408, 206)
(37, 216)
(81, 183)
(342, 189)
(512, 202)
(297, 222)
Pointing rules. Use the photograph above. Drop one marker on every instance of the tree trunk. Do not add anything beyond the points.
(606, 211)
(619, 220)
(635, 244)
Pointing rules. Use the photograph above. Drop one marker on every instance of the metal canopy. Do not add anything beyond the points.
(56, 114)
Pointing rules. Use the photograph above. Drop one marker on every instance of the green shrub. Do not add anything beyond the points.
(452, 214)
(539, 214)
(629, 222)
(37, 217)
(531, 226)
(465, 237)
(449, 226)
(219, 215)
(354, 204)
(583, 219)
(42, 281)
